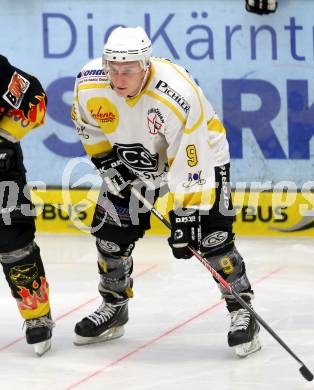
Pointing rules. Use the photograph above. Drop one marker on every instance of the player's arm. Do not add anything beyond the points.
(193, 152)
(195, 147)
(22, 102)
(92, 137)
(103, 155)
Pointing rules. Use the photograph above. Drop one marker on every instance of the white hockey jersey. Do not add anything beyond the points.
(169, 132)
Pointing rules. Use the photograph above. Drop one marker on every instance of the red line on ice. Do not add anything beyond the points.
(75, 309)
(154, 340)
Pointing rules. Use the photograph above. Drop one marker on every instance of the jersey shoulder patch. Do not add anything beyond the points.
(16, 90)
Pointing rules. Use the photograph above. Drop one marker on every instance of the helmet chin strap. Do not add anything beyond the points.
(143, 82)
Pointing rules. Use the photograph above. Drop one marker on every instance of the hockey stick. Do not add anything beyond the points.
(305, 372)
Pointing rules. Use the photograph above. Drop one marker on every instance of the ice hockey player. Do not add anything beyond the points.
(22, 108)
(144, 118)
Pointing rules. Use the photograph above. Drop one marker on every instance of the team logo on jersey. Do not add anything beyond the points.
(194, 179)
(104, 113)
(136, 156)
(101, 115)
(163, 87)
(16, 90)
(155, 120)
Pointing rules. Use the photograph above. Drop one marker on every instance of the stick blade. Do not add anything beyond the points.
(306, 373)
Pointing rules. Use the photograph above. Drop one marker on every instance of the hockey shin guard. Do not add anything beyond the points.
(25, 274)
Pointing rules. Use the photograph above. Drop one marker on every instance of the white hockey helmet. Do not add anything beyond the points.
(128, 44)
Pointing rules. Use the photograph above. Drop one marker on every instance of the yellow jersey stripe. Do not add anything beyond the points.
(199, 199)
(170, 160)
(215, 125)
(13, 126)
(93, 85)
(201, 117)
(100, 147)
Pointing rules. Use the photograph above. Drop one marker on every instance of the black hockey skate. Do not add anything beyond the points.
(243, 334)
(106, 323)
(39, 332)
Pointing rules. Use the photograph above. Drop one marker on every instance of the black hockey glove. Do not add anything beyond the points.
(261, 7)
(186, 230)
(115, 174)
(8, 157)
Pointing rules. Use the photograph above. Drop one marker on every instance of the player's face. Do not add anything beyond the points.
(126, 77)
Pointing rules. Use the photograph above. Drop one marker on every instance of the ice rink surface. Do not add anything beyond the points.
(176, 336)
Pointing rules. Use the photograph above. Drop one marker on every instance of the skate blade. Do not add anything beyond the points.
(246, 349)
(110, 334)
(42, 348)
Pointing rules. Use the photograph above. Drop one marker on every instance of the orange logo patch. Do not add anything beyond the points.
(16, 89)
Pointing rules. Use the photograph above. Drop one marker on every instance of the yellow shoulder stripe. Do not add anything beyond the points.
(194, 87)
(93, 86)
(168, 104)
(215, 125)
